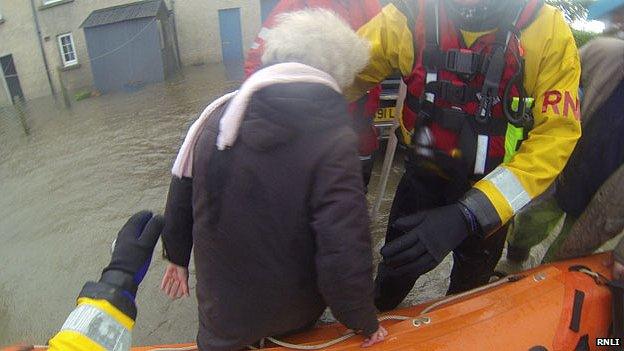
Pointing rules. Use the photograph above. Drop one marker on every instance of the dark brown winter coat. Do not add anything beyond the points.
(279, 222)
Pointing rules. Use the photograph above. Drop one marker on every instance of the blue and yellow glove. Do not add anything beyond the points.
(130, 260)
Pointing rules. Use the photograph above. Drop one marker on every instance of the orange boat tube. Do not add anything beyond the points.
(563, 306)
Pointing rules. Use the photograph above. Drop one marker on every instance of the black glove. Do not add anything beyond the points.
(429, 237)
(133, 249)
(129, 263)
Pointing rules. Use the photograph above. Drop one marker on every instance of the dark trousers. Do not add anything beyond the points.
(474, 259)
(367, 162)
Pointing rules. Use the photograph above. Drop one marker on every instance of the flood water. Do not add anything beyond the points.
(69, 185)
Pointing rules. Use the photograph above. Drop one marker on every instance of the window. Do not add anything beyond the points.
(67, 48)
(46, 4)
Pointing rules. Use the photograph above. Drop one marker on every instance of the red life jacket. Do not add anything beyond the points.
(449, 105)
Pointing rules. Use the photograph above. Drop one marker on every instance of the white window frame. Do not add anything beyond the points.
(62, 51)
(48, 2)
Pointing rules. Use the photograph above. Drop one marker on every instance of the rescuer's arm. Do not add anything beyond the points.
(105, 313)
(392, 48)
(540, 159)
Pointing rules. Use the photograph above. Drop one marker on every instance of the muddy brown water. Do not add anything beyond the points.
(68, 186)
(66, 189)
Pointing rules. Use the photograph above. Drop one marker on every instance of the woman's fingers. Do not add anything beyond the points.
(169, 287)
(186, 288)
(175, 282)
(367, 342)
(180, 291)
(377, 337)
(174, 289)
(165, 280)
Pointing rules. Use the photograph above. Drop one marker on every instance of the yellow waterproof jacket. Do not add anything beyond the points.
(552, 73)
(94, 325)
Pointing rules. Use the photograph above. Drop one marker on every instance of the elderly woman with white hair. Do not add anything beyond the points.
(267, 190)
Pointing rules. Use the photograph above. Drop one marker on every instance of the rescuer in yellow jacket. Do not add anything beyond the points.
(490, 117)
(105, 310)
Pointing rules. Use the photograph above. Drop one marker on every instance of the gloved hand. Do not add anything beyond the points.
(132, 255)
(429, 236)
(133, 250)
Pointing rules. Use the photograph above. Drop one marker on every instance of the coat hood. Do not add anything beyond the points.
(280, 112)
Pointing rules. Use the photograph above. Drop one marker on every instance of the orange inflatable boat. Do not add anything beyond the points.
(557, 307)
(564, 306)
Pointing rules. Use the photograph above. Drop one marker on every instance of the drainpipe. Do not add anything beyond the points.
(45, 60)
(175, 34)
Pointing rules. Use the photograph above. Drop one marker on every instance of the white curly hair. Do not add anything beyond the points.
(318, 38)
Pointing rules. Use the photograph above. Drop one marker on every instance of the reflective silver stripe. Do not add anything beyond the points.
(263, 32)
(261, 36)
(482, 148)
(424, 138)
(431, 77)
(99, 327)
(508, 184)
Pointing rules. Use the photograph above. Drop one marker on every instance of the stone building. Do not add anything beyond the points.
(41, 41)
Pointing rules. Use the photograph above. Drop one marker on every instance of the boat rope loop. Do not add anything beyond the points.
(598, 278)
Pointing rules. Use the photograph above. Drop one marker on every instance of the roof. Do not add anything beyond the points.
(135, 10)
(601, 8)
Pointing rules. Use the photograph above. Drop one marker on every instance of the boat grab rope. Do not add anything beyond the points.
(598, 278)
(334, 341)
(508, 279)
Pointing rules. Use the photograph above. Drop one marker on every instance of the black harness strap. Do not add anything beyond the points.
(432, 36)
(448, 118)
(496, 63)
(465, 63)
(458, 94)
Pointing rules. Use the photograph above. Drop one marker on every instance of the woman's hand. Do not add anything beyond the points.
(377, 337)
(175, 281)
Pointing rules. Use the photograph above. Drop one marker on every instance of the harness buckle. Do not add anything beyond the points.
(486, 103)
(463, 61)
(454, 93)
